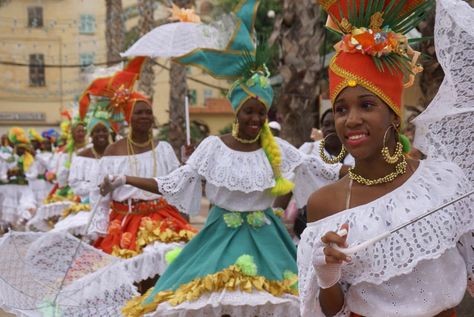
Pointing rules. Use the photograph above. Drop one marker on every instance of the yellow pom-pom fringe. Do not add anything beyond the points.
(230, 279)
(282, 186)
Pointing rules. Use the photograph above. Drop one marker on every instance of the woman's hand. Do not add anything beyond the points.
(327, 261)
(112, 182)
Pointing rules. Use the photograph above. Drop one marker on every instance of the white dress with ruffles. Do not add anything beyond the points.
(82, 179)
(419, 271)
(152, 261)
(239, 182)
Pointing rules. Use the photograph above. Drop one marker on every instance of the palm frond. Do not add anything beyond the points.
(252, 62)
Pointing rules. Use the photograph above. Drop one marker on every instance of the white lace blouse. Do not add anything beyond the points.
(420, 271)
(141, 165)
(83, 175)
(240, 181)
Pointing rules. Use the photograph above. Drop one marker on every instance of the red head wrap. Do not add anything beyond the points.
(118, 88)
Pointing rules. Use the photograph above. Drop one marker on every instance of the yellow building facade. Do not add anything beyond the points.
(44, 48)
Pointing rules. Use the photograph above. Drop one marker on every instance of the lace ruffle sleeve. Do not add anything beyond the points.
(311, 175)
(182, 188)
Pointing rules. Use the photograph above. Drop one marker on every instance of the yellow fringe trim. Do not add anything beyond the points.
(231, 279)
(150, 232)
(75, 208)
(56, 198)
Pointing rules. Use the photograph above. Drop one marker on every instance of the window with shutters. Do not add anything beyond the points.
(87, 24)
(37, 74)
(35, 17)
(86, 59)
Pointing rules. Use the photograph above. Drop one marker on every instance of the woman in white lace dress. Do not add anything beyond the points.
(243, 262)
(83, 174)
(421, 270)
(134, 225)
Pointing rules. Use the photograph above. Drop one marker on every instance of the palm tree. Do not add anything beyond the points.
(114, 31)
(146, 23)
(299, 32)
(178, 92)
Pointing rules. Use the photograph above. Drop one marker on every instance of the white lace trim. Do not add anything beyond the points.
(240, 171)
(83, 175)
(235, 303)
(140, 165)
(149, 263)
(432, 184)
(445, 130)
(45, 212)
(74, 224)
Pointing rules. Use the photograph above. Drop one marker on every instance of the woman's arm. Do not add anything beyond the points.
(331, 299)
(148, 184)
(112, 182)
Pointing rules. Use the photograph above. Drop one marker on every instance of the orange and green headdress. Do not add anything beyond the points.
(17, 136)
(118, 89)
(374, 51)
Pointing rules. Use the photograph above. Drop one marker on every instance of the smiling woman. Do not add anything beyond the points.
(400, 275)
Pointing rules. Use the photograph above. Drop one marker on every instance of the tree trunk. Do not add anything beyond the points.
(146, 23)
(178, 92)
(299, 33)
(115, 31)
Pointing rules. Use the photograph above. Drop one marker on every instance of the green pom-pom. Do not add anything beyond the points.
(246, 265)
(171, 255)
(282, 186)
(405, 143)
(288, 275)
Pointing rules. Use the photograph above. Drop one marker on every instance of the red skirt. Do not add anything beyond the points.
(147, 221)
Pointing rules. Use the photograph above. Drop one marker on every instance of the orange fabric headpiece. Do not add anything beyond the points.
(118, 88)
(349, 70)
(373, 51)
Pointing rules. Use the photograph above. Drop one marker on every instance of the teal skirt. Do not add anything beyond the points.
(225, 238)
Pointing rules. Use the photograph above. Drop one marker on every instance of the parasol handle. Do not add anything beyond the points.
(353, 249)
(356, 248)
(188, 127)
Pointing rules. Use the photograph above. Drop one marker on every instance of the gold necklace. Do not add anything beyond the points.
(96, 155)
(144, 144)
(245, 141)
(400, 169)
(133, 160)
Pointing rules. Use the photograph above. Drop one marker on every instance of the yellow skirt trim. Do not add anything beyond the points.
(149, 233)
(231, 279)
(75, 208)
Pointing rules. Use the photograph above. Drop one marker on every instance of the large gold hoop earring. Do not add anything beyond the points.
(326, 159)
(391, 159)
(235, 129)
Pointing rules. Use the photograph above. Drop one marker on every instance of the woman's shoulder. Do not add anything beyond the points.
(87, 153)
(117, 149)
(327, 200)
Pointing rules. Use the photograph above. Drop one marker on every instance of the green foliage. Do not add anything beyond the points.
(198, 130)
(226, 130)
